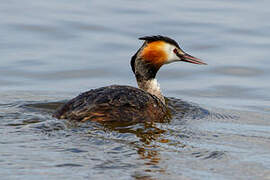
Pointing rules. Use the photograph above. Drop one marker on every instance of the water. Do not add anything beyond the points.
(53, 50)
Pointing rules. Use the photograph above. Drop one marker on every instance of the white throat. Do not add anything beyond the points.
(154, 85)
(151, 86)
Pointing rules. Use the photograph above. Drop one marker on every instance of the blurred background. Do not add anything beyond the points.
(53, 50)
(72, 46)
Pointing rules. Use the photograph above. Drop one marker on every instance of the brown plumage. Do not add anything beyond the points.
(114, 103)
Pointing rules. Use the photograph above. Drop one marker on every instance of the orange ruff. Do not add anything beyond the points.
(154, 53)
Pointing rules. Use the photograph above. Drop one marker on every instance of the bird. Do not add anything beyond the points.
(122, 103)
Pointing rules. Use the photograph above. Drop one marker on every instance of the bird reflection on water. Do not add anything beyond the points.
(146, 138)
(151, 135)
(148, 135)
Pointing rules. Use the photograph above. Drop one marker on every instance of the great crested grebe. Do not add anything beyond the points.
(126, 103)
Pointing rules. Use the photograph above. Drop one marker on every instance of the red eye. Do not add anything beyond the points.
(175, 51)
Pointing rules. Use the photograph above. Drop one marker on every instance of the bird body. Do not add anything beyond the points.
(126, 103)
(113, 103)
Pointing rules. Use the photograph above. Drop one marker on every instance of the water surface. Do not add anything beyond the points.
(51, 51)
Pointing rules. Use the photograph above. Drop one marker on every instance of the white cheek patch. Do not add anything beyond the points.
(172, 57)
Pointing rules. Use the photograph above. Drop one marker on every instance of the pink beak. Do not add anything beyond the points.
(188, 58)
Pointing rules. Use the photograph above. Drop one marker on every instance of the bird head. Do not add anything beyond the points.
(160, 50)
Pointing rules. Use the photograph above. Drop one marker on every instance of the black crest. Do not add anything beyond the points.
(160, 38)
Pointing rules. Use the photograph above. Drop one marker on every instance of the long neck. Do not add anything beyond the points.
(151, 86)
(145, 75)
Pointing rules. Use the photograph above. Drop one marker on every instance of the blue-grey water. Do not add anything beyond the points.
(53, 50)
